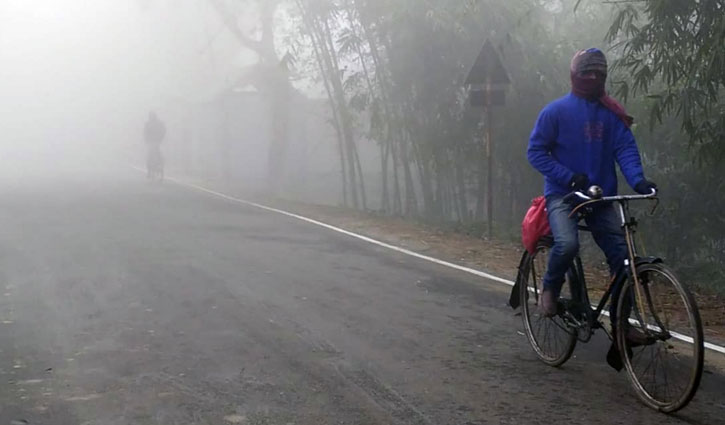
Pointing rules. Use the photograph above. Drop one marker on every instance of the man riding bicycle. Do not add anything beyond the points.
(575, 143)
(154, 133)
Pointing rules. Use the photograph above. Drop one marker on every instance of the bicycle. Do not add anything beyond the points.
(155, 165)
(649, 299)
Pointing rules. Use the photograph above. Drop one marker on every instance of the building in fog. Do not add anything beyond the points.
(227, 140)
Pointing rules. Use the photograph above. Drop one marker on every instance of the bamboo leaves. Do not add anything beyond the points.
(677, 47)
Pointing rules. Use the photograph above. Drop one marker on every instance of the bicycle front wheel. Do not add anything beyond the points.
(551, 338)
(660, 338)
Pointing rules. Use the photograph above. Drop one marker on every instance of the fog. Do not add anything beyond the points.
(72, 76)
(78, 78)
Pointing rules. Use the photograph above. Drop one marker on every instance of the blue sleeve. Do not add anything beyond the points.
(627, 154)
(542, 141)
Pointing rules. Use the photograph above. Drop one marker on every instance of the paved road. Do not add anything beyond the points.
(125, 303)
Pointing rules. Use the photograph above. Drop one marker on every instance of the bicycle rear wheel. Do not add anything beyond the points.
(665, 372)
(552, 340)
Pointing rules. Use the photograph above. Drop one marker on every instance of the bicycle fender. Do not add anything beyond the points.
(515, 297)
(638, 261)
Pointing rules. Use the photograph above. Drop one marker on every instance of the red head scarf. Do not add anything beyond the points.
(592, 86)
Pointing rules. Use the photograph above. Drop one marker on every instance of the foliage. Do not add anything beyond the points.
(674, 52)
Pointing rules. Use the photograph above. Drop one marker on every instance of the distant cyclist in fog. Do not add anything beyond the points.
(154, 132)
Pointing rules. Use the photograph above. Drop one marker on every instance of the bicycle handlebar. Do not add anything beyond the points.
(585, 197)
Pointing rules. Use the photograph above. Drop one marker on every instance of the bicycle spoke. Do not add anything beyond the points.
(667, 393)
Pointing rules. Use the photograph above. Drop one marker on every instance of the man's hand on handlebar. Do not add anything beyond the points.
(645, 187)
(579, 182)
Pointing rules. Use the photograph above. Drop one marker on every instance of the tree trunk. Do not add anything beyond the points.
(397, 198)
(411, 202)
(385, 197)
(462, 190)
(363, 197)
(481, 178)
(426, 180)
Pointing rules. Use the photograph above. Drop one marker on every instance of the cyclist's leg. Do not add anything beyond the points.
(607, 230)
(606, 227)
(155, 164)
(566, 243)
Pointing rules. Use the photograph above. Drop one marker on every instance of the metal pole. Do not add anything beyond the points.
(489, 156)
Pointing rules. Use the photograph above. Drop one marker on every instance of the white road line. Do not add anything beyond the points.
(346, 232)
(475, 272)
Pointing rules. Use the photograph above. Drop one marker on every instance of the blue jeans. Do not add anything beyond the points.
(606, 228)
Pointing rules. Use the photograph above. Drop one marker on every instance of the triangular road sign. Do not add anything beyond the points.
(488, 67)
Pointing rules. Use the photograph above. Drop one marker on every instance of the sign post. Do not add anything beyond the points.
(487, 82)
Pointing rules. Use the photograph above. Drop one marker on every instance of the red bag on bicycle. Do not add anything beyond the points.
(535, 224)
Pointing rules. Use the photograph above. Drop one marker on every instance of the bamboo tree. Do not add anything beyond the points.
(331, 99)
(316, 22)
(346, 117)
(392, 120)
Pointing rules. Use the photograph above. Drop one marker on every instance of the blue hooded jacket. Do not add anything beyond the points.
(574, 135)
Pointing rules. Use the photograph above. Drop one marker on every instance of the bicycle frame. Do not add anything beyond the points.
(629, 225)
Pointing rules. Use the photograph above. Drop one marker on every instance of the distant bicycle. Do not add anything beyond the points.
(154, 132)
(155, 166)
(666, 367)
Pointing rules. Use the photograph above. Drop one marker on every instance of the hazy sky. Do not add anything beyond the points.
(77, 72)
